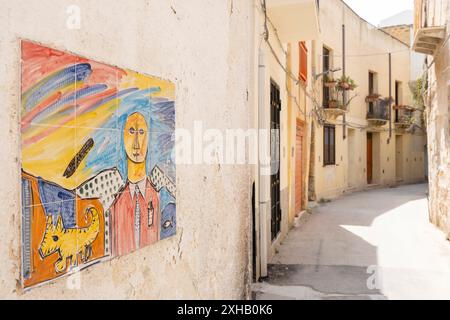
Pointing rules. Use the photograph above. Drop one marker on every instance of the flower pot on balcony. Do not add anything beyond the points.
(344, 86)
(373, 98)
(333, 104)
(346, 83)
(335, 109)
(329, 82)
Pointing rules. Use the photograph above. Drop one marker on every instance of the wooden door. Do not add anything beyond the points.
(369, 158)
(299, 166)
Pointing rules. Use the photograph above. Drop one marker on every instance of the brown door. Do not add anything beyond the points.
(298, 166)
(369, 157)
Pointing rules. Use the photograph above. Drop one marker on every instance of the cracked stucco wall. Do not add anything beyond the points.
(199, 45)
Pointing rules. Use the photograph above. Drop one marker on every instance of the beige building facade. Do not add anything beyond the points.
(295, 62)
(379, 143)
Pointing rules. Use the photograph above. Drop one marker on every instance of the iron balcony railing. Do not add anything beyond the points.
(403, 115)
(378, 110)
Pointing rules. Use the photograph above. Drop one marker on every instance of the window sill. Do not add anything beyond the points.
(331, 165)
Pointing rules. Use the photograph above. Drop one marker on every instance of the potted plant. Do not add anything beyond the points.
(346, 83)
(373, 97)
(333, 104)
(329, 82)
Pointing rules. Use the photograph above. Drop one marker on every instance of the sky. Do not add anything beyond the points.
(374, 11)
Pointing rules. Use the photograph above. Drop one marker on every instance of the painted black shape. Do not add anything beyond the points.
(75, 162)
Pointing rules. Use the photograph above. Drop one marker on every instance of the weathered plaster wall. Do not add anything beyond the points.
(438, 116)
(201, 47)
(366, 50)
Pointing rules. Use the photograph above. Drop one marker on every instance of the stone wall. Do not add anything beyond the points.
(438, 117)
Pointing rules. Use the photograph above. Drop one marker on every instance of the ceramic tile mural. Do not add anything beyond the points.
(98, 167)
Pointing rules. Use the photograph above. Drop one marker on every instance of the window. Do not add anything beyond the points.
(326, 67)
(371, 89)
(398, 89)
(329, 149)
(371, 82)
(303, 63)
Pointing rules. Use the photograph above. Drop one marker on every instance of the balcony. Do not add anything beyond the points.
(378, 110)
(334, 108)
(336, 95)
(295, 20)
(404, 117)
(427, 39)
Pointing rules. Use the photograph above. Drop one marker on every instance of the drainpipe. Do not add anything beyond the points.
(262, 200)
(390, 95)
(344, 93)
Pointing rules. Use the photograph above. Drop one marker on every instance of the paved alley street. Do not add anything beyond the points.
(376, 244)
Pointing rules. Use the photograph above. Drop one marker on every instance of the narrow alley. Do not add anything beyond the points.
(376, 244)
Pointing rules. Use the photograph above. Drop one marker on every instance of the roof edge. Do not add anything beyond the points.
(378, 28)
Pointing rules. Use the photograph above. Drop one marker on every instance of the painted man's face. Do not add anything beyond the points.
(136, 137)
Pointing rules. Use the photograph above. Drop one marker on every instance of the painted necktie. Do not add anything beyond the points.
(137, 218)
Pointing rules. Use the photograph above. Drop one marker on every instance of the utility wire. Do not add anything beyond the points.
(365, 54)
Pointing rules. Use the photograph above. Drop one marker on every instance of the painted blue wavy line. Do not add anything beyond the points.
(71, 74)
(114, 96)
(141, 94)
(70, 99)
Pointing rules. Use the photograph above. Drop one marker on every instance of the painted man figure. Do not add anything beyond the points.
(135, 211)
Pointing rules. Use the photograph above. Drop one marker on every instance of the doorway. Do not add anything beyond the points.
(425, 162)
(275, 194)
(398, 99)
(351, 158)
(399, 157)
(372, 89)
(299, 166)
(369, 157)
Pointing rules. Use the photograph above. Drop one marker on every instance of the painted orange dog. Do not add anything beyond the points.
(69, 243)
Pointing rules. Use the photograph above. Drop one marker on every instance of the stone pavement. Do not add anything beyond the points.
(375, 244)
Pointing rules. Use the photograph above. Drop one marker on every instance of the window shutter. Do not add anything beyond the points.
(303, 68)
